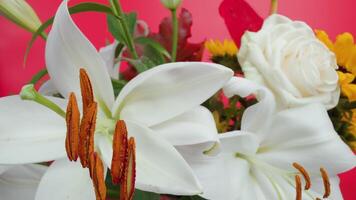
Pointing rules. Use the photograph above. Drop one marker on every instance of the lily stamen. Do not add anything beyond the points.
(73, 121)
(298, 187)
(127, 187)
(86, 90)
(305, 174)
(96, 169)
(120, 152)
(326, 182)
(86, 135)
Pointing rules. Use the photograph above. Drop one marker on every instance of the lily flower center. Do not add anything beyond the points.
(80, 143)
(293, 178)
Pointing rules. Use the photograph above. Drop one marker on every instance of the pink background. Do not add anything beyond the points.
(335, 16)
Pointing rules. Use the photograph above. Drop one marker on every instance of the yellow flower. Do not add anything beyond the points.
(344, 49)
(218, 48)
(347, 88)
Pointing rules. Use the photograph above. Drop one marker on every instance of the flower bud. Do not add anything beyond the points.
(21, 13)
(171, 4)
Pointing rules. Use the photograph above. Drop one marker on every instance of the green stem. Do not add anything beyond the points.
(274, 7)
(175, 34)
(28, 92)
(120, 16)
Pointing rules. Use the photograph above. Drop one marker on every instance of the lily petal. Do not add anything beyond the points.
(30, 132)
(193, 127)
(21, 182)
(108, 55)
(254, 118)
(221, 176)
(48, 88)
(174, 88)
(239, 142)
(160, 168)
(68, 50)
(306, 135)
(66, 180)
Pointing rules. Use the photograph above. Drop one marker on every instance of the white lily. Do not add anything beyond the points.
(257, 161)
(149, 104)
(21, 182)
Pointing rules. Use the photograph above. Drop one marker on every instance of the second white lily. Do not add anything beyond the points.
(273, 152)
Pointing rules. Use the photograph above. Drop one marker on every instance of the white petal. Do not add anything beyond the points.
(306, 135)
(30, 132)
(172, 88)
(254, 117)
(68, 50)
(66, 180)
(193, 127)
(160, 168)
(21, 182)
(48, 88)
(222, 177)
(239, 142)
(108, 55)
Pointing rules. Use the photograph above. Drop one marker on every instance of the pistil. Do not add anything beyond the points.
(28, 92)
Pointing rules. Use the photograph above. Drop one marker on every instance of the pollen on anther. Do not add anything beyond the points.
(86, 89)
(119, 152)
(72, 121)
(86, 135)
(127, 187)
(326, 182)
(298, 187)
(305, 174)
(96, 169)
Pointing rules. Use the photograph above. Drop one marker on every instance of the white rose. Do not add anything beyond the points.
(286, 57)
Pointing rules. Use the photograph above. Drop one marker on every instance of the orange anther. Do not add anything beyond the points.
(97, 174)
(298, 187)
(305, 174)
(72, 120)
(326, 182)
(119, 152)
(86, 135)
(86, 89)
(128, 185)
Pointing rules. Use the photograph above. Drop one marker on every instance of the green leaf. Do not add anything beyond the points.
(38, 76)
(142, 195)
(118, 85)
(155, 56)
(131, 20)
(82, 7)
(142, 64)
(115, 27)
(157, 46)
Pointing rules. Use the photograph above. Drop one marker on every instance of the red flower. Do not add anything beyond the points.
(239, 17)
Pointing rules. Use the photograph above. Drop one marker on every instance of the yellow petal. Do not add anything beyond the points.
(343, 48)
(349, 90)
(345, 78)
(324, 37)
(351, 62)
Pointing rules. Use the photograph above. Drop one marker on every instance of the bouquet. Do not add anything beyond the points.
(272, 115)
